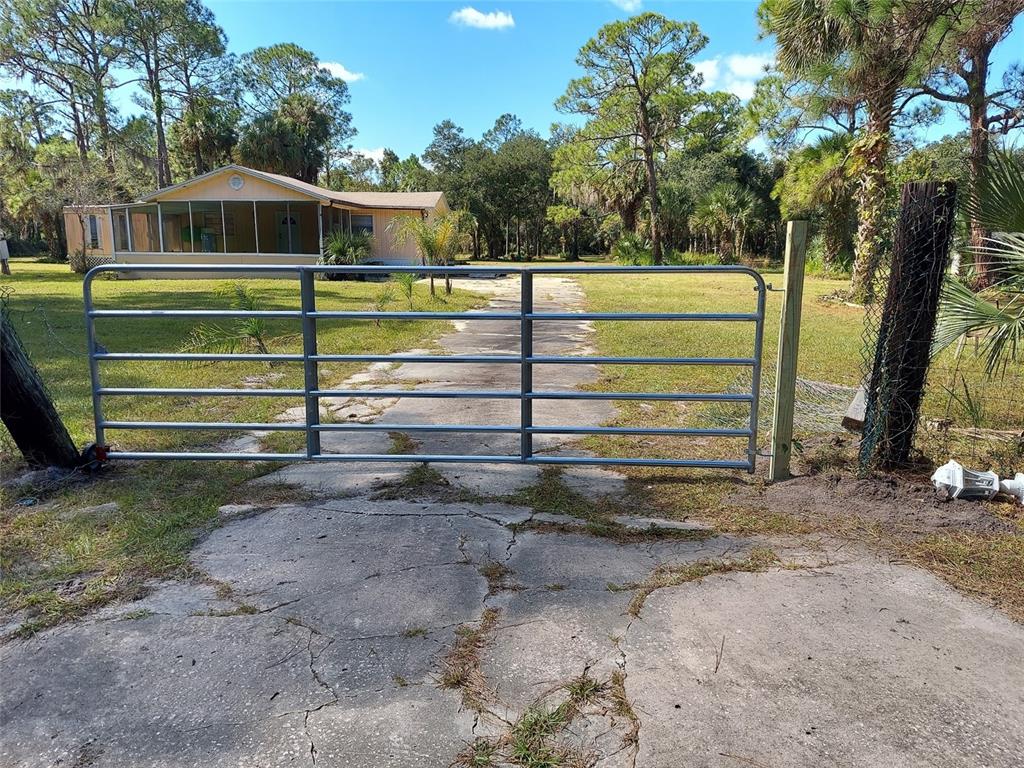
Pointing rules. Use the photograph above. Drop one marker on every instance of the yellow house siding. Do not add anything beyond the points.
(385, 245)
(73, 231)
(217, 188)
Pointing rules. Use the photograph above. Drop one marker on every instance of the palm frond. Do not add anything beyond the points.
(999, 204)
(1001, 329)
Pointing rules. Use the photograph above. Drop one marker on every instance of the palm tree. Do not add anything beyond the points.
(438, 240)
(873, 48)
(997, 313)
(817, 177)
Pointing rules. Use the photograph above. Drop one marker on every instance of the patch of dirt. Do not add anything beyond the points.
(909, 506)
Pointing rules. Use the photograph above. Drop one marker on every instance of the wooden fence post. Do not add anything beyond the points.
(789, 346)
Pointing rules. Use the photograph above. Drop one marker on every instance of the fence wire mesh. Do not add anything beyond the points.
(953, 407)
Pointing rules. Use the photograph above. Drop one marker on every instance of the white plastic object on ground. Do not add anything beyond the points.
(1014, 487)
(961, 483)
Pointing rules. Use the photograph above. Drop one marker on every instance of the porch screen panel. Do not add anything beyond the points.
(239, 227)
(145, 229)
(120, 218)
(207, 227)
(177, 236)
(306, 218)
(269, 223)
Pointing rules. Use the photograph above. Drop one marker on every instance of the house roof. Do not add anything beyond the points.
(403, 200)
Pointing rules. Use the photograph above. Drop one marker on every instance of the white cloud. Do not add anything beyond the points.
(749, 65)
(629, 6)
(737, 73)
(709, 70)
(341, 71)
(376, 154)
(471, 17)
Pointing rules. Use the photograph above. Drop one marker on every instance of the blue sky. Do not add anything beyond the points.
(419, 64)
(412, 64)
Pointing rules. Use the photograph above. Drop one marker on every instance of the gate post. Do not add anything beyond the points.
(789, 346)
(310, 367)
(525, 367)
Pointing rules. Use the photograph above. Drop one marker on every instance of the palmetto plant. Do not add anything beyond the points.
(345, 248)
(245, 334)
(997, 313)
(438, 241)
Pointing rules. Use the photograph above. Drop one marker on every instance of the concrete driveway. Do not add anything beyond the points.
(384, 626)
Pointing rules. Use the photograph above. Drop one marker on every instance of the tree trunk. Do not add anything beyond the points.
(986, 265)
(872, 154)
(652, 191)
(99, 105)
(919, 260)
(26, 408)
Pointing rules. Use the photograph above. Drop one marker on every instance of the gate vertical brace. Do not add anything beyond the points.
(94, 364)
(789, 348)
(755, 377)
(525, 366)
(310, 367)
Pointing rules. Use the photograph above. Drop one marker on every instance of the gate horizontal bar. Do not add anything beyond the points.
(198, 456)
(369, 394)
(144, 391)
(360, 269)
(557, 360)
(432, 458)
(695, 463)
(727, 316)
(268, 313)
(379, 427)
(678, 431)
(211, 425)
(375, 315)
(200, 356)
(697, 397)
(416, 358)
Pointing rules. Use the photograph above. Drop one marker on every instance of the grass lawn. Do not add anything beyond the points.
(45, 302)
(989, 565)
(57, 560)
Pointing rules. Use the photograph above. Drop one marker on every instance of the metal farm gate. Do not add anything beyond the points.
(530, 366)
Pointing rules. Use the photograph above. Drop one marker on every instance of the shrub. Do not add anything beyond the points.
(345, 248)
(633, 250)
(818, 262)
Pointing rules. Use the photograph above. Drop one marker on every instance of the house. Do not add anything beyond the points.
(238, 215)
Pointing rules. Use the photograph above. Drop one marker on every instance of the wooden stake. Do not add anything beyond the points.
(789, 346)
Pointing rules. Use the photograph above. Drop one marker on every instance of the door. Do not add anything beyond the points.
(287, 232)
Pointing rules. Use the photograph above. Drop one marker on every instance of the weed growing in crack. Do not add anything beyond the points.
(622, 707)
(532, 737)
(415, 632)
(480, 754)
(460, 668)
(672, 574)
(498, 578)
(583, 690)
(402, 443)
(421, 480)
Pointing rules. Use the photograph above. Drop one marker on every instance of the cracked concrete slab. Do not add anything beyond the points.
(861, 664)
(158, 690)
(319, 633)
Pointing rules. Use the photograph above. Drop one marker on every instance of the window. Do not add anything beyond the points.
(362, 223)
(94, 232)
